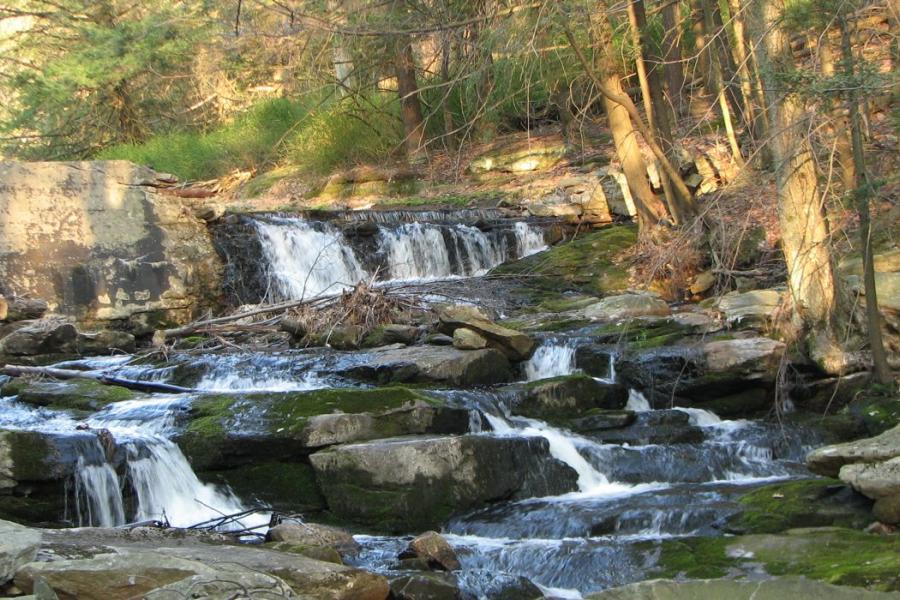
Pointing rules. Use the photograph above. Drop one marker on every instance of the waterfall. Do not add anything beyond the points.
(551, 359)
(305, 259)
(637, 402)
(98, 497)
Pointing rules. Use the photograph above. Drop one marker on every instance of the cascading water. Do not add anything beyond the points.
(551, 359)
(305, 259)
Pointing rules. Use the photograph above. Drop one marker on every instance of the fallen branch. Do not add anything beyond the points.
(140, 386)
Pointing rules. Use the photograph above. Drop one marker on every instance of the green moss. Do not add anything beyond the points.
(809, 503)
(586, 264)
(833, 555)
(283, 486)
(542, 383)
(76, 394)
(642, 334)
(878, 412)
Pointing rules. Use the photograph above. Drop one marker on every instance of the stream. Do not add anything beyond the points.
(629, 495)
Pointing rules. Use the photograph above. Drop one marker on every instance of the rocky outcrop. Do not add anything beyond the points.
(79, 394)
(405, 484)
(871, 466)
(314, 535)
(561, 399)
(227, 431)
(18, 308)
(466, 339)
(100, 242)
(757, 308)
(732, 377)
(514, 344)
(627, 306)
(433, 364)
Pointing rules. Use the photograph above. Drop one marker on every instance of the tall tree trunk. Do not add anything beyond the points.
(672, 44)
(718, 74)
(650, 210)
(843, 146)
(680, 207)
(701, 47)
(446, 57)
(410, 108)
(742, 58)
(804, 228)
(862, 191)
(340, 56)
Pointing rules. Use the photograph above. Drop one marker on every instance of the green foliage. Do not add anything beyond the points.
(249, 142)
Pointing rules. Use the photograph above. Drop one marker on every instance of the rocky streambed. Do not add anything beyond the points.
(564, 446)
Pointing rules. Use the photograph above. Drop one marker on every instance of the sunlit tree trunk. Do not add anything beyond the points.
(672, 44)
(804, 228)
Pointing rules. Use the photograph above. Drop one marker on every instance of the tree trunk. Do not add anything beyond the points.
(672, 44)
(410, 108)
(680, 207)
(449, 125)
(718, 83)
(843, 147)
(340, 56)
(650, 210)
(701, 47)
(742, 58)
(862, 191)
(804, 229)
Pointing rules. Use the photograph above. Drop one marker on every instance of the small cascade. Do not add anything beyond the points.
(305, 261)
(637, 402)
(98, 496)
(551, 359)
(306, 258)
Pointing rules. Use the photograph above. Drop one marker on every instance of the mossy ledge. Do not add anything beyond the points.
(833, 555)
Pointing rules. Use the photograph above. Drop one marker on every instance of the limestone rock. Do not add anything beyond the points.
(516, 345)
(434, 549)
(313, 534)
(81, 394)
(828, 460)
(887, 509)
(627, 306)
(466, 339)
(98, 241)
(18, 546)
(538, 154)
(703, 282)
(750, 309)
(426, 586)
(49, 336)
(875, 480)
(412, 483)
(441, 364)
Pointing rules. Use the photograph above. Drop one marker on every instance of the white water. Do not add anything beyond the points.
(637, 402)
(98, 497)
(551, 359)
(306, 260)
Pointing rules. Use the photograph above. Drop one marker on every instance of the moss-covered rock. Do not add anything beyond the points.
(433, 364)
(229, 429)
(287, 487)
(561, 399)
(878, 411)
(75, 394)
(809, 503)
(586, 264)
(833, 555)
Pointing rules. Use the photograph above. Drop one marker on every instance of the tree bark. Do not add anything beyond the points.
(843, 147)
(674, 69)
(410, 107)
(752, 114)
(861, 191)
(650, 210)
(804, 228)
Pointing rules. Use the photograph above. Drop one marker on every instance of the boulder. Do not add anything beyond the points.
(466, 339)
(434, 364)
(434, 550)
(438, 339)
(75, 394)
(49, 336)
(703, 282)
(18, 546)
(750, 309)
(777, 588)
(753, 357)
(391, 334)
(536, 155)
(313, 534)
(515, 344)
(627, 306)
(426, 586)
(104, 342)
(653, 427)
(17, 308)
(99, 241)
(404, 484)
(569, 397)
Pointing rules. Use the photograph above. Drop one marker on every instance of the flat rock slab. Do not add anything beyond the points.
(828, 461)
(721, 589)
